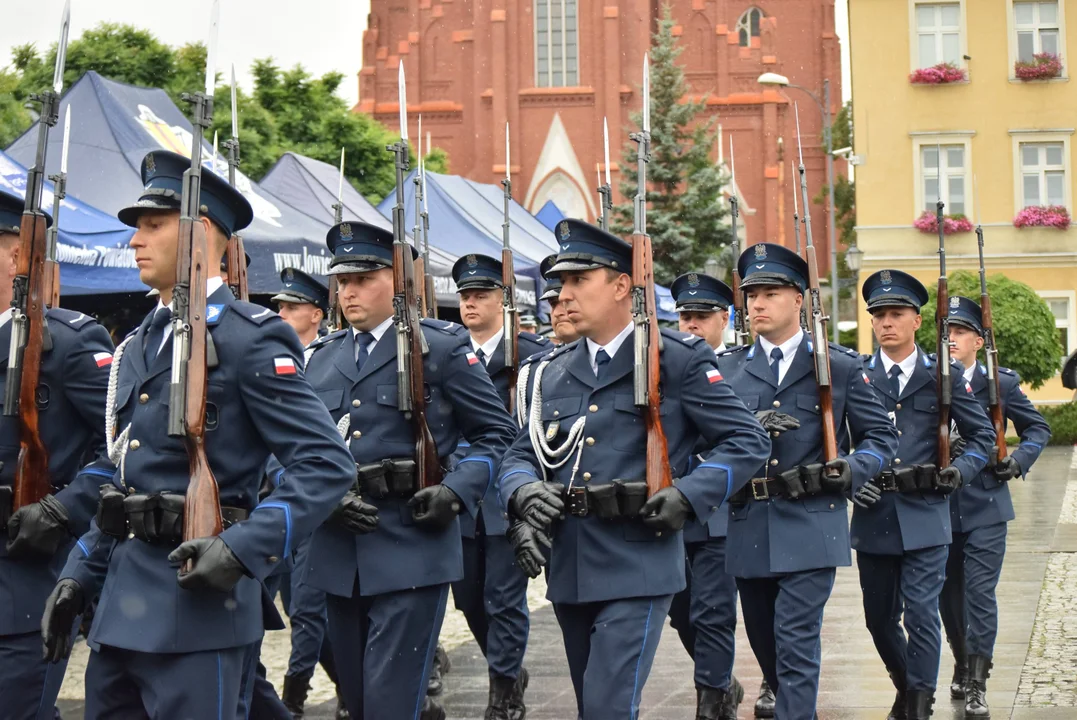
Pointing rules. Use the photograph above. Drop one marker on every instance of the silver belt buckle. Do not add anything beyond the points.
(760, 483)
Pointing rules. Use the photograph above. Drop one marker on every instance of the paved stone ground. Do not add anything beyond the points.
(1035, 674)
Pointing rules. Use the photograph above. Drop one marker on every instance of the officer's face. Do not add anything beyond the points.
(366, 298)
(480, 310)
(303, 317)
(708, 325)
(895, 327)
(595, 300)
(155, 241)
(774, 310)
(964, 344)
(562, 327)
(9, 253)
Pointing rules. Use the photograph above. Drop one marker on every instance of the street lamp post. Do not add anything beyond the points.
(774, 79)
(854, 259)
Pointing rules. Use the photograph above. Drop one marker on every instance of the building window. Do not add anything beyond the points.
(556, 47)
(1043, 174)
(1061, 305)
(943, 164)
(1037, 27)
(938, 34)
(748, 26)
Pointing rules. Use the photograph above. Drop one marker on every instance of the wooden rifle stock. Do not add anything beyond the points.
(236, 267)
(821, 355)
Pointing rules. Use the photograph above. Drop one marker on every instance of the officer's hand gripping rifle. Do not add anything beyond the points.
(511, 335)
(190, 339)
(994, 404)
(235, 257)
(817, 326)
(31, 292)
(646, 371)
(411, 398)
(740, 324)
(942, 320)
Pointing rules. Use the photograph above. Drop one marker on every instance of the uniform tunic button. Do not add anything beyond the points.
(897, 461)
(144, 398)
(356, 403)
(816, 407)
(831, 506)
(774, 462)
(356, 434)
(593, 408)
(274, 558)
(135, 445)
(777, 404)
(899, 433)
(586, 476)
(556, 413)
(590, 441)
(775, 433)
(130, 536)
(899, 406)
(131, 491)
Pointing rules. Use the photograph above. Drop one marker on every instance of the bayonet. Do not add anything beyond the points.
(59, 192)
(605, 191)
(510, 341)
(740, 320)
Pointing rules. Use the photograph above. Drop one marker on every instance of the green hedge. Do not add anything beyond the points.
(1063, 422)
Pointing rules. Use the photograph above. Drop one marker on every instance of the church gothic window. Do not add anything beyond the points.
(748, 26)
(556, 43)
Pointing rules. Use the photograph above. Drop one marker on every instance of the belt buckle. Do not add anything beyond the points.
(760, 483)
(577, 502)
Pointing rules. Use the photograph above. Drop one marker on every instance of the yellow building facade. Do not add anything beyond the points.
(990, 143)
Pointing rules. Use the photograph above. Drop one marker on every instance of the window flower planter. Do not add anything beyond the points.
(1054, 216)
(1043, 66)
(928, 224)
(941, 74)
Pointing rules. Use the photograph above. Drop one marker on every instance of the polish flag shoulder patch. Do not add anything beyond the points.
(471, 359)
(968, 387)
(865, 376)
(284, 366)
(714, 376)
(102, 359)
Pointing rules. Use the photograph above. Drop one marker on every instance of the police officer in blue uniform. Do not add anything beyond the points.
(303, 303)
(979, 512)
(71, 401)
(617, 557)
(388, 556)
(788, 527)
(704, 614)
(170, 643)
(562, 328)
(493, 593)
(901, 522)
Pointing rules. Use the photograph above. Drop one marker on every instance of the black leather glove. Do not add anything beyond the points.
(525, 541)
(216, 567)
(957, 448)
(774, 421)
(667, 509)
(354, 515)
(38, 530)
(837, 482)
(867, 494)
(949, 480)
(435, 507)
(65, 603)
(1005, 469)
(539, 503)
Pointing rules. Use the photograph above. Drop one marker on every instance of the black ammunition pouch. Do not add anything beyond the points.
(910, 479)
(793, 484)
(156, 519)
(7, 502)
(391, 477)
(613, 501)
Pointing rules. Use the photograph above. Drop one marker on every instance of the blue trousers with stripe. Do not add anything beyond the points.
(968, 605)
(610, 648)
(28, 684)
(384, 648)
(128, 685)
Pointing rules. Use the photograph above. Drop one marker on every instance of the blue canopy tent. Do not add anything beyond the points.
(91, 247)
(114, 125)
(549, 214)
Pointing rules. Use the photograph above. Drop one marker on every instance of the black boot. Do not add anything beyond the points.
(342, 709)
(517, 708)
(431, 711)
(733, 698)
(434, 685)
(961, 670)
(976, 687)
(764, 705)
(501, 688)
(897, 711)
(918, 704)
(295, 692)
(709, 702)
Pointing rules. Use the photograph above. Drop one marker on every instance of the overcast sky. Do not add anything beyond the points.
(322, 35)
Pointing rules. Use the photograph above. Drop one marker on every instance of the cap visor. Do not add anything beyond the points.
(888, 301)
(759, 279)
(129, 215)
(355, 267)
(465, 284)
(551, 294)
(287, 297)
(564, 266)
(966, 324)
(698, 307)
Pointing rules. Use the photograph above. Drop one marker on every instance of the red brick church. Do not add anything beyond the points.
(553, 68)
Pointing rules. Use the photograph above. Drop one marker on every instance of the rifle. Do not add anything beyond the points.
(817, 325)
(59, 192)
(796, 233)
(994, 406)
(942, 320)
(605, 191)
(646, 371)
(235, 257)
(422, 264)
(190, 340)
(411, 398)
(428, 278)
(29, 334)
(335, 320)
(510, 335)
(740, 329)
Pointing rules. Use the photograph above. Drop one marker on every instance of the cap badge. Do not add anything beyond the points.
(562, 228)
(693, 280)
(955, 302)
(760, 252)
(289, 274)
(345, 231)
(884, 276)
(472, 261)
(151, 164)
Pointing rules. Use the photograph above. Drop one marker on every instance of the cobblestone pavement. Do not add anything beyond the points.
(1034, 678)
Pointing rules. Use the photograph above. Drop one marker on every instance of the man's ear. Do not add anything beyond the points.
(918, 321)
(624, 286)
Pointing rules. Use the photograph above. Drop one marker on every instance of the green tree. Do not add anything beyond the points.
(1025, 331)
(844, 198)
(685, 213)
(14, 119)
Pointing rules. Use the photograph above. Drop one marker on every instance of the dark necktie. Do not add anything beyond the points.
(155, 333)
(776, 356)
(895, 380)
(363, 340)
(480, 355)
(602, 359)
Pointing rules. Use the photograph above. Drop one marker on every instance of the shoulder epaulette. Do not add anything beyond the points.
(544, 352)
(70, 318)
(866, 357)
(733, 350)
(325, 339)
(844, 350)
(445, 326)
(533, 337)
(560, 350)
(1007, 371)
(248, 311)
(687, 338)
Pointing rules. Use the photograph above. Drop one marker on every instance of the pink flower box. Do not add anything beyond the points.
(1055, 216)
(928, 223)
(1044, 66)
(940, 74)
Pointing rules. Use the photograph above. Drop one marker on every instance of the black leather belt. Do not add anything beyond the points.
(909, 479)
(612, 501)
(391, 477)
(7, 501)
(156, 519)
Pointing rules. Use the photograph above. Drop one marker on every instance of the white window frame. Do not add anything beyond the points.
(914, 39)
(744, 22)
(920, 141)
(1011, 27)
(560, 49)
(1036, 137)
(1071, 321)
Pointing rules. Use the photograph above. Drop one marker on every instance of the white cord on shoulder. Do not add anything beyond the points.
(521, 395)
(547, 455)
(115, 446)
